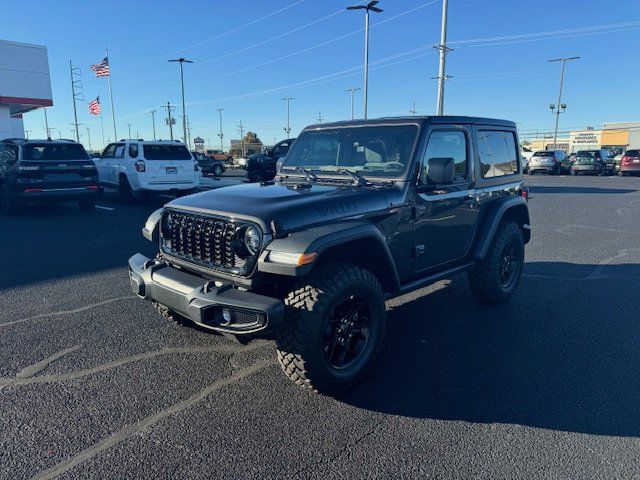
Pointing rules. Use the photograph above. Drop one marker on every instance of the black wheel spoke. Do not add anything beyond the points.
(347, 330)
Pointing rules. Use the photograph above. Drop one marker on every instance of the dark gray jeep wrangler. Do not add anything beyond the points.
(359, 212)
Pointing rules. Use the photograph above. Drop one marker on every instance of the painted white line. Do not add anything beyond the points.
(105, 208)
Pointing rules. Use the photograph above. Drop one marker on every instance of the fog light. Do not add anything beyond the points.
(226, 316)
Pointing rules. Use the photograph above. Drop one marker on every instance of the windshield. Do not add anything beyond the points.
(587, 153)
(166, 152)
(543, 154)
(54, 151)
(375, 151)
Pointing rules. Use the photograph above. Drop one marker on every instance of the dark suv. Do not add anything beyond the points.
(360, 212)
(44, 171)
(262, 167)
(597, 162)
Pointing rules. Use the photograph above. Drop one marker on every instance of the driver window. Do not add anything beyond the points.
(446, 144)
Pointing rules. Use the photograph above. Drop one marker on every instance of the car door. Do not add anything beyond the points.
(104, 165)
(445, 214)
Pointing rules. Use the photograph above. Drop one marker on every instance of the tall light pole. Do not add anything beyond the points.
(442, 50)
(75, 96)
(182, 60)
(560, 105)
(220, 134)
(153, 122)
(89, 137)
(129, 125)
(287, 129)
(352, 90)
(46, 123)
(371, 6)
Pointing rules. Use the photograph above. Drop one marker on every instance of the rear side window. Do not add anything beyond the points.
(497, 151)
(54, 151)
(133, 150)
(448, 144)
(119, 153)
(166, 152)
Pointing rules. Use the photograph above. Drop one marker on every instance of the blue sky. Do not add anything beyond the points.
(312, 50)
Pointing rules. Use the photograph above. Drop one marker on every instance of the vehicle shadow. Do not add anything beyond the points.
(564, 354)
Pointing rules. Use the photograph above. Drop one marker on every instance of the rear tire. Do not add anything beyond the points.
(495, 279)
(217, 171)
(334, 327)
(126, 194)
(8, 204)
(575, 173)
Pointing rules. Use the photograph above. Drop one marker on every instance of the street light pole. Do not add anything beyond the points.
(153, 122)
(369, 6)
(129, 125)
(352, 90)
(182, 60)
(443, 50)
(287, 129)
(558, 111)
(220, 134)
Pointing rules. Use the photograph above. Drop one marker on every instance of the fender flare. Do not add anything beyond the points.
(492, 221)
(320, 239)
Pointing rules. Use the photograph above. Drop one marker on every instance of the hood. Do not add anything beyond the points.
(292, 207)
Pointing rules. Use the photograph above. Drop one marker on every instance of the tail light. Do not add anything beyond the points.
(140, 166)
(524, 193)
(626, 159)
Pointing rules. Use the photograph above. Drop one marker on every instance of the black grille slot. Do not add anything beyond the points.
(202, 240)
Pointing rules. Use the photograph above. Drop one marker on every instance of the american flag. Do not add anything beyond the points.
(94, 106)
(102, 68)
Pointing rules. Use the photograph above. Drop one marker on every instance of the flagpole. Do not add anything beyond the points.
(101, 126)
(113, 112)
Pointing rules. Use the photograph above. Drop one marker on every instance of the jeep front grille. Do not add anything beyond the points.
(205, 241)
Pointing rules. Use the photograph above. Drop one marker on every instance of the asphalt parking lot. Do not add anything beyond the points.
(94, 384)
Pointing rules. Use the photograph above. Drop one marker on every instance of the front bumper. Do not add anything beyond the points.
(202, 300)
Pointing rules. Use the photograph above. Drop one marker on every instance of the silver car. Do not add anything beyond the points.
(546, 161)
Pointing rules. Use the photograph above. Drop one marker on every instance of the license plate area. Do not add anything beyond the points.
(171, 170)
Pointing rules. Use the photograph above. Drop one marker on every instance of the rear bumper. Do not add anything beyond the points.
(634, 168)
(166, 187)
(203, 301)
(585, 168)
(58, 194)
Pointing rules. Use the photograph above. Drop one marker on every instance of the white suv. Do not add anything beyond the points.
(137, 166)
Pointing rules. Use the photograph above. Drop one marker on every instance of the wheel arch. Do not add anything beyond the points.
(512, 209)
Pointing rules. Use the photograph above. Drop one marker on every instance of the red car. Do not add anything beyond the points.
(630, 163)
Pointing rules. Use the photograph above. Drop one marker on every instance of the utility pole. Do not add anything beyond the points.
(241, 130)
(129, 125)
(153, 122)
(413, 111)
(59, 134)
(74, 72)
(352, 90)
(320, 116)
(182, 60)
(287, 129)
(46, 123)
(371, 6)
(137, 134)
(188, 142)
(89, 137)
(170, 120)
(442, 50)
(561, 107)
(220, 134)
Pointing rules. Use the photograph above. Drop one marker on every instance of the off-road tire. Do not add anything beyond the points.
(217, 171)
(170, 315)
(484, 278)
(8, 204)
(308, 307)
(125, 192)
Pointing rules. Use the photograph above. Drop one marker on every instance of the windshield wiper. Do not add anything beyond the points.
(312, 177)
(357, 179)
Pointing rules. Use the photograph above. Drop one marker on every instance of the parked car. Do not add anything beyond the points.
(135, 167)
(262, 167)
(547, 161)
(312, 257)
(209, 165)
(630, 163)
(45, 171)
(597, 162)
(220, 155)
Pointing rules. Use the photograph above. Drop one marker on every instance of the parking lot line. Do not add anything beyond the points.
(105, 208)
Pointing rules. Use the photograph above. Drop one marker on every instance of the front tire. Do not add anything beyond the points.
(334, 326)
(8, 204)
(217, 171)
(495, 279)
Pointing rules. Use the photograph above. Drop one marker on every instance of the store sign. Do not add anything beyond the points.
(586, 138)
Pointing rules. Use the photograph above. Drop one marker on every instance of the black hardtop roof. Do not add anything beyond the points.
(24, 141)
(421, 120)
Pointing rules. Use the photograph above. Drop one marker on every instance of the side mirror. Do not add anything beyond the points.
(438, 171)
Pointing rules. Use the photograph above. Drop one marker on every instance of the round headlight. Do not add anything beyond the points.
(252, 240)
